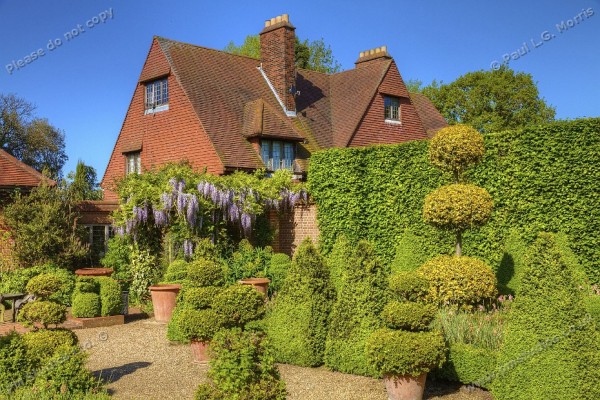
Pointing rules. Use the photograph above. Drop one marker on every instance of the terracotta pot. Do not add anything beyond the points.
(94, 272)
(404, 387)
(260, 284)
(164, 298)
(200, 351)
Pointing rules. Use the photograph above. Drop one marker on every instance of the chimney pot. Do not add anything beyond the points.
(272, 21)
(286, 17)
(362, 54)
(267, 23)
(371, 52)
(384, 49)
(278, 18)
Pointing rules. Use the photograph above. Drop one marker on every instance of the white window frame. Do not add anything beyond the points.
(156, 96)
(392, 112)
(133, 163)
(107, 234)
(284, 162)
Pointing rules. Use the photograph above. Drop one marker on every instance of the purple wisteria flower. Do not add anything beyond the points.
(246, 221)
(181, 202)
(192, 210)
(188, 248)
(119, 230)
(167, 201)
(160, 218)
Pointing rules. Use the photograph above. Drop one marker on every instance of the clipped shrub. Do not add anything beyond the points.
(411, 252)
(278, 271)
(337, 261)
(174, 333)
(64, 374)
(15, 366)
(201, 297)
(86, 284)
(43, 312)
(551, 348)
(202, 272)
(461, 281)
(468, 364)
(455, 148)
(592, 305)
(42, 344)
(408, 286)
(511, 265)
(397, 352)
(110, 296)
(242, 367)
(297, 321)
(458, 207)
(408, 315)
(355, 314)
(205, 249)
(200, 325)
(44, 285)
(86, 305)
(16, 281)
(238, 305)
(176, 271)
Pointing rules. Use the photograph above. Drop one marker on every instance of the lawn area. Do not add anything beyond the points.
(139, 363)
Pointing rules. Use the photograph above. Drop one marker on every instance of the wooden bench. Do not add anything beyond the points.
(18, 299)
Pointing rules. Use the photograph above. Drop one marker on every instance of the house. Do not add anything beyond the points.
(226, 112)
(15, 176)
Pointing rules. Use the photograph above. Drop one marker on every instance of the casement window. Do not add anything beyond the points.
(133, 163)
(98, 236)
(392, 108)
(157, 96)
(277, 154)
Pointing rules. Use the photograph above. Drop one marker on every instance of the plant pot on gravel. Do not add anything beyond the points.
(164, 298)
(199, 327)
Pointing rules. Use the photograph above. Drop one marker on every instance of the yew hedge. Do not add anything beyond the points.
(542, 178)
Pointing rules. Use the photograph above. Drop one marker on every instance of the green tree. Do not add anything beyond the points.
(29, 138)
(315, 55)
(83, 183)
(491, 101)
(44, 229)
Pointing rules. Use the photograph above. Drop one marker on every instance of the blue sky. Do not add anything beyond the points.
(84, 85)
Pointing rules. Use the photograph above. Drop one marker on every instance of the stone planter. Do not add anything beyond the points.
(200, 351)
(405, 387)
(260, 284)
(164, 298)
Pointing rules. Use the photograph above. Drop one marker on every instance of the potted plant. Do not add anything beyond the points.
(405, 350)
(199, 327)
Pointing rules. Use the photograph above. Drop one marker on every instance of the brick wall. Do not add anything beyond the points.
(293, 227)
(166, 136)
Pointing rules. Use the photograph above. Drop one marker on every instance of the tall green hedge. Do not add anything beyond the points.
(542, 178)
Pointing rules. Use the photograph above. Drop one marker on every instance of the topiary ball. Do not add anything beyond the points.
(86, 305)
(462, 281)
(200, 298)
(42, 344)
(455, 148)
(111, 302)
(44, 285)
(458, 207)
(43, 312)
(203, 272)
(410, 316)
(199, 325)
(176, 271)
(397, 352)
(408, 286)
(87, 284)
(239, 304)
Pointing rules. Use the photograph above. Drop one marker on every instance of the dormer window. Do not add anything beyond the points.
(157, 96)
(277, 154)
(133, 163)
(392, 109)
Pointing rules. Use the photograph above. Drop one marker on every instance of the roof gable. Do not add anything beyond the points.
(15, 173)
(430, 117)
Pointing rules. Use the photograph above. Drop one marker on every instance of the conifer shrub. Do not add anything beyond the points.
(297, 321)
(408, 286)
(459, 281)
(199, 325)
(204, 272)
(468, 364)
(410, 316)
(86, 305)
(337, 261)
(277, 271)
(199, 298)
(176, 271)
(356, 313)
(551, 348)
(86, 284)
(110, 296)
(15, 366)
(238, 305)
(42, 344)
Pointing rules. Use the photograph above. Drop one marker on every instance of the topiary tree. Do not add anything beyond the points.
(552, 348)
(459, 206)
(238, 304)
(355, 314)
(297, 321)
(337, 261)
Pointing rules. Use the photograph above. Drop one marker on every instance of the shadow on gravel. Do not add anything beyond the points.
(111, 375)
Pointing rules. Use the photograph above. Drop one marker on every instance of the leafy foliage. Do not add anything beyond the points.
(15, 367)
(83, 183)
(118, 257)
(460, 281)
(410, 316)
(238, 305)
(243, 368)
(29, 138)
(86, 305)
(355, 314)
(145, 271)
(199, 298)
(42, 344)
(491, 101)
(408, 286)
(458, 207)
(337, 261)
(411, 252)
(551, 348)
(44, 285)
(43, 312)
(110, 296)
(200, 325)
(297, 321)
(249, 262)
(455, 148)
(44, 229)
(398, 352)
(468, 364)
(541, 178)
(176, 271)
(278, 271)
(203, 272)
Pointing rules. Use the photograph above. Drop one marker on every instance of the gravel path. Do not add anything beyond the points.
(139, 363)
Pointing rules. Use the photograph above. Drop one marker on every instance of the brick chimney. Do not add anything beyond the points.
(370, 55)
(277, 41)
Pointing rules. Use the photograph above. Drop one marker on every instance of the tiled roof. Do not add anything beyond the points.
(14, 173)
(430, 117)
